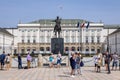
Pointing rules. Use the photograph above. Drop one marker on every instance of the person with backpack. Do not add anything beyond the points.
(2, 60)
(78, 60)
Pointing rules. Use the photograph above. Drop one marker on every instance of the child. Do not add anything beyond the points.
(51, 60)
(99, 65)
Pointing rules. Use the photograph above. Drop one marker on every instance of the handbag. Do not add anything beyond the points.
(81, 64)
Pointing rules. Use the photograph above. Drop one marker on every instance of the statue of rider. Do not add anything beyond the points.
(57, 27)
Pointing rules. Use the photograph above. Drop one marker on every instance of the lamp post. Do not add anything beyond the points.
(3, 42)
(108, 40)
(116, 41)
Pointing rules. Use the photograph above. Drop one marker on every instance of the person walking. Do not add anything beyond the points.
(29, 58)
(78, 59)
(108, 58)
(119, 61)
(33, 59)
(105, 60)
(59, 58)
(95, 58)
(115, 61)
(7, 61)
(19, 62)
(51, 61)
(72, 64)
(2, 60)
(99, 62)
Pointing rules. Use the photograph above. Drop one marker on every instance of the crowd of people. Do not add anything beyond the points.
(55, 62)
(5, 61)
(76, 61)
(105, 60)
(76, 64)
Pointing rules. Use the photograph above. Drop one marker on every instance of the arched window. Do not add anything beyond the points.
(87, 48)
(78, 48)
(98, 49)
(66, 48)
(34, 49)
(41, 48)
(28, 49)
(92, 48)
(73, 48)
(47, 48)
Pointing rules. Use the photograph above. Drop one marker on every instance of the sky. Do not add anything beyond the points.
(14, 11)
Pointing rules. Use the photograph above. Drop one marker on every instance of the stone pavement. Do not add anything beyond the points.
(56, 74)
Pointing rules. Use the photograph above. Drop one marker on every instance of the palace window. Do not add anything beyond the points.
(28, 40)
(98, 39)
(22, 40)
(92, 48)
(22, 50)
(41, 48)
(73, 36)
(86, 39)
(87, 49)
(34, 39)
(73, 39)
(23, 37)
(47, 48)
(48, 37)
(28, 49)
(15, 51)
(92, 39)
(78, 48)
(98, 30)
(67, 37)
(66, 48)
(73, 48)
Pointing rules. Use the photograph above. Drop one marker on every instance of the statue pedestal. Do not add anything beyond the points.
(57, 44)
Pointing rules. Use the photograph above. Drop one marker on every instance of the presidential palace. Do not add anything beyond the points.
(36, 36)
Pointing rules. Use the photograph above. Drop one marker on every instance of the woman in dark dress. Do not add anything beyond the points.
(72, 64)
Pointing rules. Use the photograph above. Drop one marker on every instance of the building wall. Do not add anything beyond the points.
(5, 43)
(114, 42)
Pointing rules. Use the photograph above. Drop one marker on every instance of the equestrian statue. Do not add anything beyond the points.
(57, 27)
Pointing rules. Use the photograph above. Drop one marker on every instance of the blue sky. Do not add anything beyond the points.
(13, 11)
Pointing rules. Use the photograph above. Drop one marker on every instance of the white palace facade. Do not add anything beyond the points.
(36, 36)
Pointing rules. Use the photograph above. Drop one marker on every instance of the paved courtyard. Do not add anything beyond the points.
(56, 74)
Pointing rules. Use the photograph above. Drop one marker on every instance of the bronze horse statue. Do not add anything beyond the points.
(57, 27)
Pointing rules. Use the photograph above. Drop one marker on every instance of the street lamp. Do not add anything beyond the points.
(108, 40)
(3, 42)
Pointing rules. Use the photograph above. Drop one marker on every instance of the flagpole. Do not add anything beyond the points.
(79, 38)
